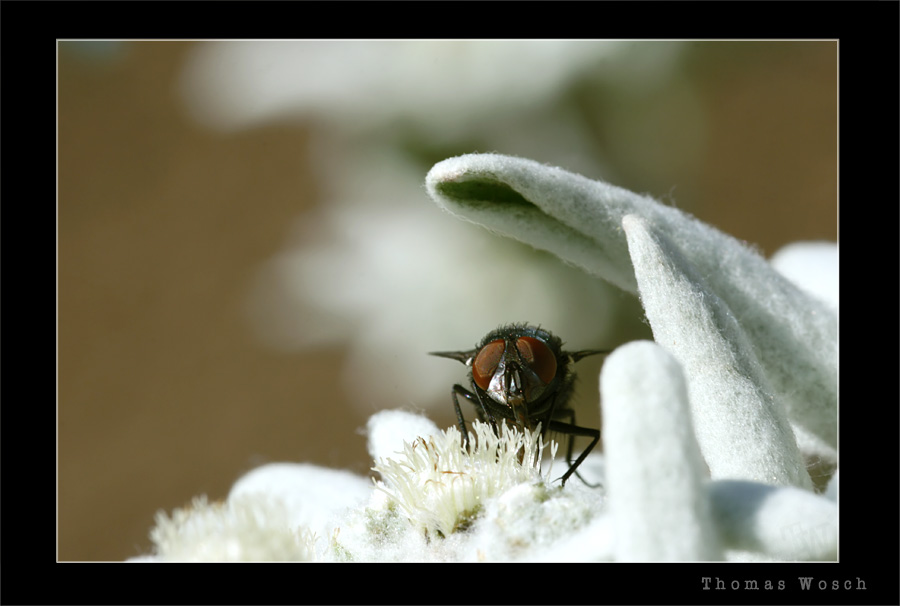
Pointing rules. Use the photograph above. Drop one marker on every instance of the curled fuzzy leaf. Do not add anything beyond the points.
(743, 432)
(792, 334)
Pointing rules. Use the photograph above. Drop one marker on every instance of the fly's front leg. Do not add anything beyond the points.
(460, 421)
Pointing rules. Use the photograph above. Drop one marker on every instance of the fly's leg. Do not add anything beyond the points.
(484, 415)
(574, 430)
(460, 421)
(570, 414)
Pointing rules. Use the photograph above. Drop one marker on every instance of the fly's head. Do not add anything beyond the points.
(519, 372)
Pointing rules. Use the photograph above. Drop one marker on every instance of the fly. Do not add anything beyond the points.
(520, 373)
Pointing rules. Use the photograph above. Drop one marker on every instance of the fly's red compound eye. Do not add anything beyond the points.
(485, 363)
(538, 356)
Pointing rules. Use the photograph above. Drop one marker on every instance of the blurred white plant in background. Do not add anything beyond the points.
(373, 268)
(449, 89)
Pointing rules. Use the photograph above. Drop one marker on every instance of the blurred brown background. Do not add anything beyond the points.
(164, 393)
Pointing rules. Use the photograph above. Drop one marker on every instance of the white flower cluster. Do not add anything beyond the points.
(240, 530)
(442, 501)
(442, 484)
